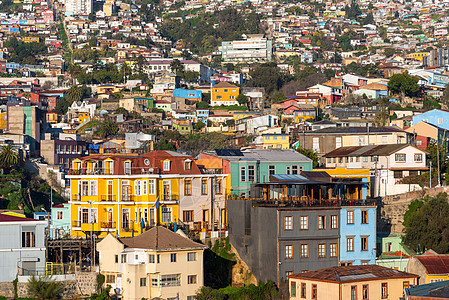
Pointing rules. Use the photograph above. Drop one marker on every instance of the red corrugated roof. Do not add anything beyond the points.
(435, 264)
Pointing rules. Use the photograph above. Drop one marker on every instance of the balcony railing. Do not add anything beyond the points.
(108, 225)
(170, 197)
(76, 223)
(108, 197)
(127, 197)
(307, 202)
(110, 171)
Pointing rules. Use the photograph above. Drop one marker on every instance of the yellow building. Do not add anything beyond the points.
(108, 8)
(30, 39)
(121, 194)
(83, 116)
(350, 282)
(224, 94)
(362, 175)
(275, 140)
(419, 56)
(3, 120)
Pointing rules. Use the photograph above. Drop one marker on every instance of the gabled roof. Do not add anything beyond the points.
(345, 274)
(160, 238)
(374, 86)
(224, 84)
(434, 263)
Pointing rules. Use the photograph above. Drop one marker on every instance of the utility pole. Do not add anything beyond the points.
(430, 180)
(438, 162)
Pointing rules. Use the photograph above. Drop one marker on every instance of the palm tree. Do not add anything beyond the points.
(44, 287)
(8, 157)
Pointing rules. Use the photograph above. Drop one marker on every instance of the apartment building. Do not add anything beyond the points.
(78, 7)
(123, 194)
(254, 47)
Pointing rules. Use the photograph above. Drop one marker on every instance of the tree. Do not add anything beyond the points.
(382, 116)
(437, 151)
(242, 99)
(122, 110)
(107, 128)
(404, 84)
(266, 75)
(62, 106)
(44, 287)
(202, 105)
(278, 97)
(427, 225)
(389, 52)
(9, 158)
(310, 154)
(176, 67)
(199, 125)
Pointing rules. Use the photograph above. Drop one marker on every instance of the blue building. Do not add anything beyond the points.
(357, 235)
(437, 117)
(60, 221)
(202, 114)
(22, 250)
(306, 58)
(193, 95)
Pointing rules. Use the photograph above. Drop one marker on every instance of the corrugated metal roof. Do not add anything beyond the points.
(371, 150)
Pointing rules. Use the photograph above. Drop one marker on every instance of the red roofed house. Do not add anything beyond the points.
(350, 282)
(430, 266)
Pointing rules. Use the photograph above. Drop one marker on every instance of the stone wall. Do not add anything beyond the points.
(85, 283)
(391, 209)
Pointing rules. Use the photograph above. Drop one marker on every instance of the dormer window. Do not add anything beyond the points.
(127, 167)
(109, 167)
(187, 164)
(166, 165)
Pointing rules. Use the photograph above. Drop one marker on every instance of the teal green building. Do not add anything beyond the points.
(256, 165)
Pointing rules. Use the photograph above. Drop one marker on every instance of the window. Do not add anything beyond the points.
(337, 142)
(28, 239)
(364, 243)
(187, 215)
(59, 215)
(123, 258)
(191, 279)
(116, 259)
(365, 292)
(187, 165)
(191, 256)
(154, 280)
(187, 187)
(397, 174)
(143, 282)
(304, 250)
(171, 280)
(400, 157)
(303, 290)
(158, 258)
(166, 165)
(292, 289)
(151, 187)
(288, 252)
(85, 215)
(93, 188)
(218, 187)
(354, 292)
(288, 223)
(125, 218)
(418, 157)
(334, 222)
(405, 285)
(350, 217)
(304, 223)
(191, 297)
(321, 250)
(350, 244)
(288, 273)
(271, 169)
(316, 144)
(166, 190)
(321, 222)
(203, 186)
(314, 291)
(151, 259)
(84, 188)
(384, 291)
(242, 174)
(251, 173)
(333, 250)
(173, 257)
(127, 168)
(166, 214)
(110, 278)
(364, 219)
